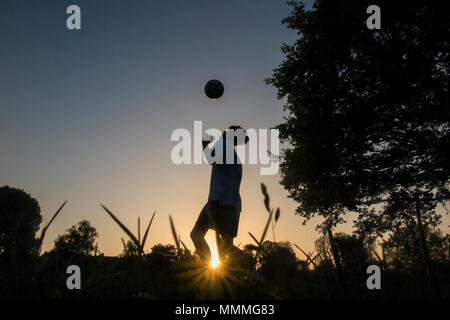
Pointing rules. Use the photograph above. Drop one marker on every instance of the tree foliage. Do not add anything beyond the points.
(353, 252)
(277, 259)
(403, 251)
(80, 240)
(368, 119)
(162, 256)
(20, 217)
(130, 249)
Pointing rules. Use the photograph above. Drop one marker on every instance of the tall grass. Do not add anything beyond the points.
(185, 247)
(308, 256)
(260, 243)
(44, 230)
(269, 220)
(139, 244)
(174, 235)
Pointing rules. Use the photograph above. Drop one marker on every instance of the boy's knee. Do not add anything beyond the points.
(195, 235)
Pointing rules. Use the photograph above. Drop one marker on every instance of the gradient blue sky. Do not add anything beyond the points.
(87, 115)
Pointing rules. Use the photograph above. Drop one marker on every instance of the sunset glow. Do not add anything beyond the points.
(215, 261)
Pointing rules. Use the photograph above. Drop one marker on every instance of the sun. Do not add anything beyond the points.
(215, 261)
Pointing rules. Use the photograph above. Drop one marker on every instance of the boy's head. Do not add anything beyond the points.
(236, 134)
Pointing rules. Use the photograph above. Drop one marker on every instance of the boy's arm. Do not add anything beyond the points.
(212, 151)
(206, 139)
(205, 143)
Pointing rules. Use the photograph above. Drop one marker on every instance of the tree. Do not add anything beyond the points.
(368, 112)
(403, 250)
(20, 217)
(80, 239)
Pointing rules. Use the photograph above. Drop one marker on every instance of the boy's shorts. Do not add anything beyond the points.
(223, 219)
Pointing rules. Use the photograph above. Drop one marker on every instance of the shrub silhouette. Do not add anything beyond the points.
(130, 249)
(352, 251)
(162, 256)
(404, 252)
(80, 239)
(277, 260)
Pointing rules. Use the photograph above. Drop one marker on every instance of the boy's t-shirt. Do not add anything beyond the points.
(225, 178)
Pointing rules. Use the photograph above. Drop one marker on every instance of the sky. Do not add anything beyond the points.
(87, 115)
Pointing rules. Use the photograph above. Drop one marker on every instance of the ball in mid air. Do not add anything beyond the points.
(214, 89)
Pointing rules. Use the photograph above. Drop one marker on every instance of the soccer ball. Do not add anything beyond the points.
(214, 89)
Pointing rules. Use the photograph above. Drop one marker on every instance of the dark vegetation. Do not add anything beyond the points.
(271, 270)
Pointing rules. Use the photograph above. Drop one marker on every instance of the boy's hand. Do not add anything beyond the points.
(206, 139)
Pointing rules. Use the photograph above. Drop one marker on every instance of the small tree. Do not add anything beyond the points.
(80, 239)
(20, 217)
(130, 249)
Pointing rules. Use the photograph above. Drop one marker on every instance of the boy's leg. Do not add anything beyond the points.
(198, 235)
(230, 253)
(226, 222)
(226, 244)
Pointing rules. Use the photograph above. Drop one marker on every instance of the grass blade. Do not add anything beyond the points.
(260, 243)
(125, 229)
(254, 238)
(257, 242)
(44, 230)
(174, 234)
(315, 257)
(308, 257)
(146, 231)
(263, 236)
(250, 247)
(185, 248)
(139, 229)
(266, 197)
(277, 215)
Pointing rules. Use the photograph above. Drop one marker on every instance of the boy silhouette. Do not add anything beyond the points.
(222, 211)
